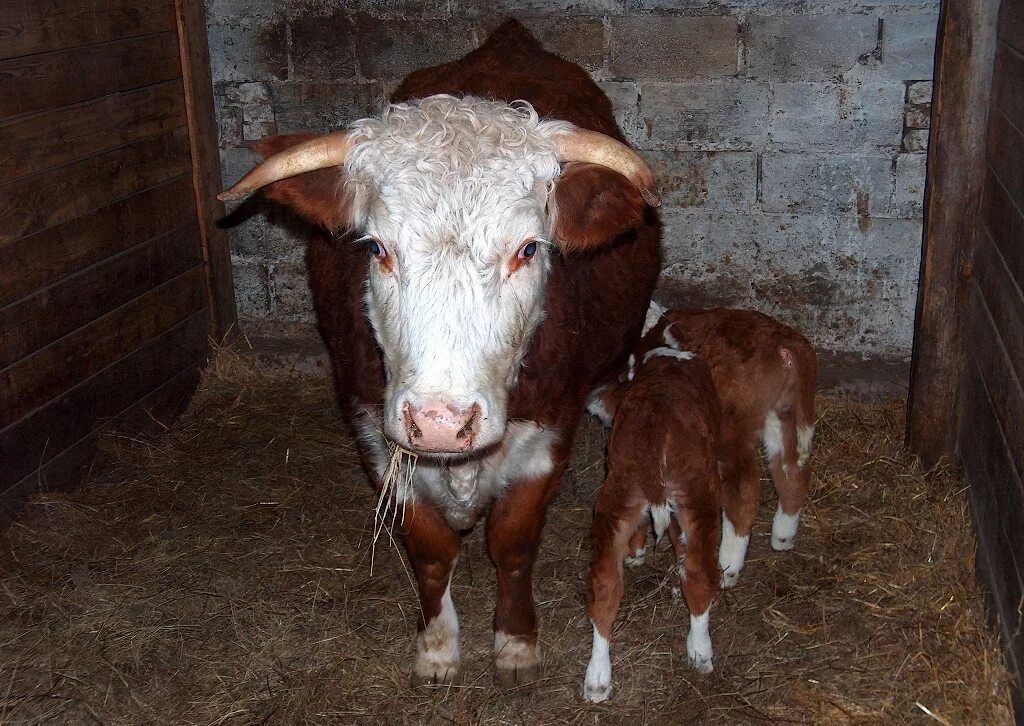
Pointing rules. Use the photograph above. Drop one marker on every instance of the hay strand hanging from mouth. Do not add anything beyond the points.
(396, 487)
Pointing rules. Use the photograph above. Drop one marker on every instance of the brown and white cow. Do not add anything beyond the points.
(663, 462)
(484, 255)
(766, 375)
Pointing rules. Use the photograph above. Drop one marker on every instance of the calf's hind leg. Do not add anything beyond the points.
(791, 475)
(699, 573)
(615, 522)
(741, 493)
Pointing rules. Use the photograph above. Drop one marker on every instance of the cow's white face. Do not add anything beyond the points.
(450, 201)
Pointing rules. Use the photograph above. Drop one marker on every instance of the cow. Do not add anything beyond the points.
(482, 257)
(766, 376)
(663, 466)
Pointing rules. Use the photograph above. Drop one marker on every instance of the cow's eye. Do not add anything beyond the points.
(375, 248)
(528, 250)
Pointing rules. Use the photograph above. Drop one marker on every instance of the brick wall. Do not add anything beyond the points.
(788, 135)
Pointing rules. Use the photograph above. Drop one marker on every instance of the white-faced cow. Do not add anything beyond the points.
(484, 255)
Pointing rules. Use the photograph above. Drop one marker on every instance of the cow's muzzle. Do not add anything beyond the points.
(439, 427)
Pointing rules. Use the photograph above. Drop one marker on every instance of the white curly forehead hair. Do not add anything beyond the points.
(455, 201)
(456, 153)
(450, 196)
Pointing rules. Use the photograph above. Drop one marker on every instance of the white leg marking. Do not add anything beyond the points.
(632, 368)
(772, 435)
(784, 528)
(512, 652)
(437, 647)
(732, 553)
(804, 437)
(698, 642)
(597, 684)
(637, 559)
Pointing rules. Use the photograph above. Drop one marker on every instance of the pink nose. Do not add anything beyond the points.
(441, 427)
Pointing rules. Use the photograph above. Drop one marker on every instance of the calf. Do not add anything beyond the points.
(765, 374)
(662, 459)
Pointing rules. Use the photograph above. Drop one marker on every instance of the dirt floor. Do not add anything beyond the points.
(222, 575)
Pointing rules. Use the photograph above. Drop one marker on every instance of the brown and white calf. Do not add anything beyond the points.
(662, 460)
(766, 375)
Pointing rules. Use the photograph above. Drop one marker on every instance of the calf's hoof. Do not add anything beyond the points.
(636, 559)
(701, 663)
(516, 660)
(784, 528)
(597, 693)
(782, 544)
(597, 684)
(506, 678)
(729, 578)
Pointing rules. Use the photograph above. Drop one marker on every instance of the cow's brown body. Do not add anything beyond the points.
(594, 311)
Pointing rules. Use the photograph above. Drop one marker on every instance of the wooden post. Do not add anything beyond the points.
(206, 177)
(964, 56)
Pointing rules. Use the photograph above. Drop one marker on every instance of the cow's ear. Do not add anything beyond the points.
(591, 205)
(320, 196)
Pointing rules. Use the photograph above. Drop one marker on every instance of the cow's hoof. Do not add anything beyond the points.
(515, 676)
(426, 674)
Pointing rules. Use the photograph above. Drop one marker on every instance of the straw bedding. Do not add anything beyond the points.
(220, 574)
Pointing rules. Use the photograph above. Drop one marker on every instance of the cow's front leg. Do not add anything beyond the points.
(433, 548)
(513, 536)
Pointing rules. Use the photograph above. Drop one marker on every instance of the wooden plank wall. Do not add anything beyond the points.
(106, 290)
(990, 436)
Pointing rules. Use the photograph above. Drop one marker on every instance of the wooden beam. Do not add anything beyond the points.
(52, 138)
(48, 373)
(52, 80)
(34, 203)
(44, 258)
(36, 26)
(59, 310)
(195, 65)
(964, 57)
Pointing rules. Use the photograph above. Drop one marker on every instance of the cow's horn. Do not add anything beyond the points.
(596, 148)
(318, 153)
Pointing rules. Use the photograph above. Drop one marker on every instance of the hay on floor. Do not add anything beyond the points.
(221, 575)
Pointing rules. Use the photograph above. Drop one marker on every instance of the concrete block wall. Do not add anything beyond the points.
(788, 136)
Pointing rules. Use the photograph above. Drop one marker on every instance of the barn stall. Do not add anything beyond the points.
(226, 568)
